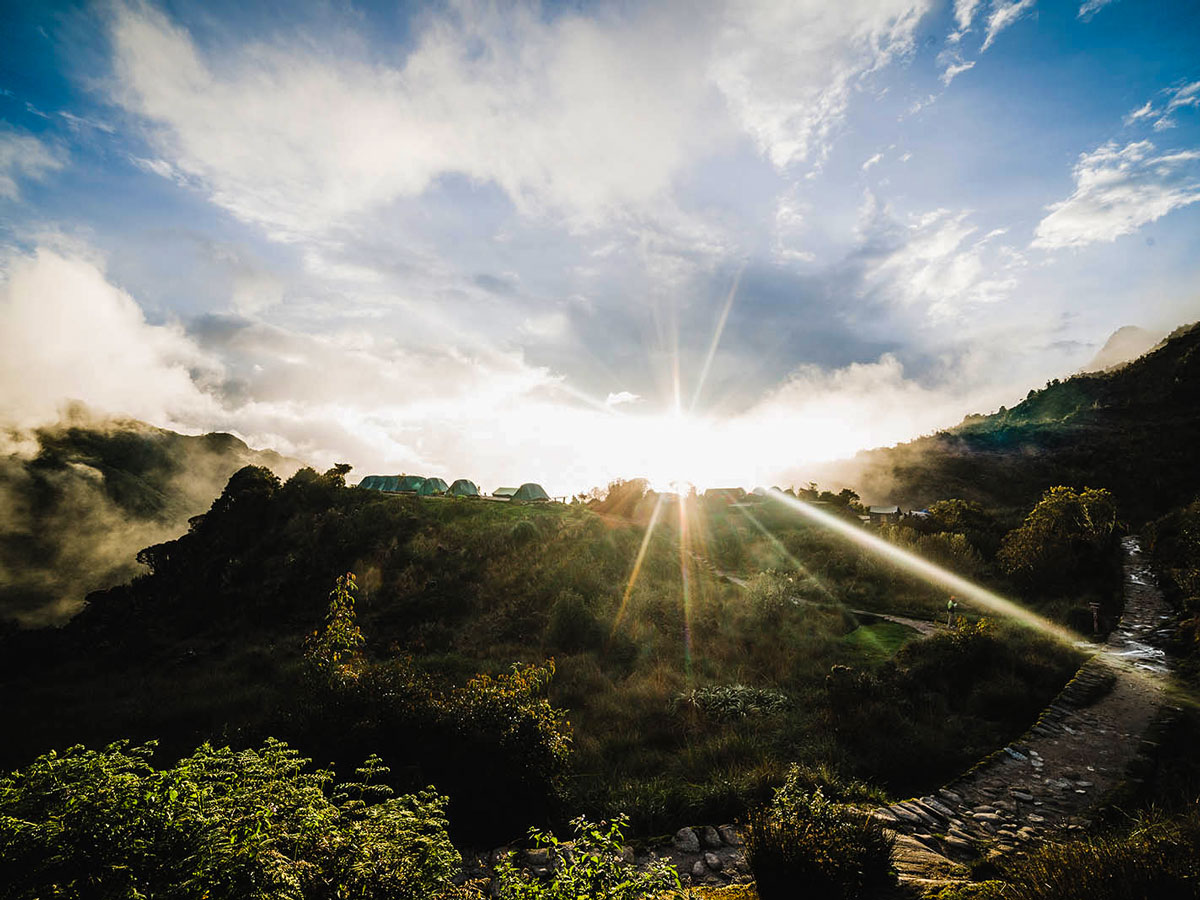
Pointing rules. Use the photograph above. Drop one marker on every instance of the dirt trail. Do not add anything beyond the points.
(1050, 780)
(924, 626)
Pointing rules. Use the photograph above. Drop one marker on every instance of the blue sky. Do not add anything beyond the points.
(574, 242)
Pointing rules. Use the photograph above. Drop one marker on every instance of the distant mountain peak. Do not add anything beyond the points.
(1123, 346)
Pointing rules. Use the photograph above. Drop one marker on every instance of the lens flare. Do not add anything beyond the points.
(637, 562)
(928, 572)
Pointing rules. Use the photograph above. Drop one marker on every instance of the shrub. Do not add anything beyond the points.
(220, 823)
(591, 866)
(805, 842)
(334, 650)
(523, 532)
(572, 626)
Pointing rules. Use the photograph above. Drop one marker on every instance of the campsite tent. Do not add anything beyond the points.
(463, 488)
(531, 491)
(504, 493)
(431, 486)
(408, 484)
(388, 483)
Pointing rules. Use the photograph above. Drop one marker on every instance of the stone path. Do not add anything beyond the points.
(1049, 781)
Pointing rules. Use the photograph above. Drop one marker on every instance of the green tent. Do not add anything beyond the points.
(431, 486)
(408, 484)
(504, 493)
(372, 482)
(464, 488)
(531, 491)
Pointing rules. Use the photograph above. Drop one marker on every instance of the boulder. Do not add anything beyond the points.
(729, 835)
(686, 841)
(710, 837)
(713, 861)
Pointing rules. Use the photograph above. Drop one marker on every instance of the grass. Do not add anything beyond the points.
(880, 641)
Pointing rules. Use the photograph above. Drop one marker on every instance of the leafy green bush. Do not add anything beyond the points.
(220, 823)
(804, 841)
(589, 867)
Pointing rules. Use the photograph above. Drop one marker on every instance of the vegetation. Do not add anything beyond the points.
(682, 706)
(251, 823)
(1153, 857)
(593, 865)
(804, 840)
(1134, 430)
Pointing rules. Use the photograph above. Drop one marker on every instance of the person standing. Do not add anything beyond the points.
(951, 611)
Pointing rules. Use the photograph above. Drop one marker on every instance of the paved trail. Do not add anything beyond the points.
(1050, 780)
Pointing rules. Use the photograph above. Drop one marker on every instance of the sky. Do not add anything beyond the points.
(572, 242)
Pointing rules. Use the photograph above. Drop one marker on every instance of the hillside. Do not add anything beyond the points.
(80, 498)
(1135, 430)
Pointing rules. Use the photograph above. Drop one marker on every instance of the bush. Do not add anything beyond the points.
(804, 842)
(591, 866)
(572, 626)
(220, 823)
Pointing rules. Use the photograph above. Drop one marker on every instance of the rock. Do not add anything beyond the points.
(962, 845)
(729, 835)
(905, 815)
(709, 837)
(1036, 819)
(713, 861)
(686, 841)
(627, 855)
(1026, 833)
(1023, 795)
(699, 871)
(538, 858)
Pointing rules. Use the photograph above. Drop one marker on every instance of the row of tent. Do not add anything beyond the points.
(436, 487)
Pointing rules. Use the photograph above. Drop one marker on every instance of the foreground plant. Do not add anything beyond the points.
(252, 824)
(591, 866)
(804, 844)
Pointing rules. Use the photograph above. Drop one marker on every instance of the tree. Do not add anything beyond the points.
(1064, 530)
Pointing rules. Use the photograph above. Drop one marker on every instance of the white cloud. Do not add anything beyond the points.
(569, 115)
(964, 14)
(872, 161)
(953, 70)
(24, 156)
(1184, 96)
(1089, 8)
(1004, 13)
(71, 335)
(1118, 190)
(788, 70)
(622, 397)
(934, 262)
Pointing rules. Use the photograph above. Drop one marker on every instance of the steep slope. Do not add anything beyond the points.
(1135, 430)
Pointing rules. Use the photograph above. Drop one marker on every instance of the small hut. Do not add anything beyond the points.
(531, 492)
(884, 515)
(463, 488)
